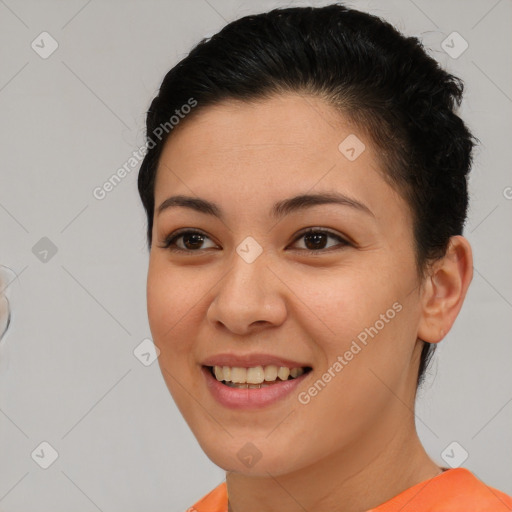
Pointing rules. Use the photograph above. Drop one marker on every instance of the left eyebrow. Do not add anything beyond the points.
(279, 209)
(287, 206)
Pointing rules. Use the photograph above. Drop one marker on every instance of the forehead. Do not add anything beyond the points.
(271, 148)
(291, 121)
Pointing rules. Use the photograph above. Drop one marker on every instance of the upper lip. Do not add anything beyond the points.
(251, 360)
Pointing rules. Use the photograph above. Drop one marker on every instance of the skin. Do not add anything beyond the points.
(305, 306)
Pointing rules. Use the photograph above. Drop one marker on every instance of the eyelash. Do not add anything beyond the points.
(169, 241)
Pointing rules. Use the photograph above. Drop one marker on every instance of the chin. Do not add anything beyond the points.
(244, 457)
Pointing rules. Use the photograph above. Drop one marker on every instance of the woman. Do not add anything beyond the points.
(305, 189)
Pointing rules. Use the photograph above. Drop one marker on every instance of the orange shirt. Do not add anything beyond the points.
(454, 490)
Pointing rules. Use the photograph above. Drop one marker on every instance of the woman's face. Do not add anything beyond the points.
(253, 292)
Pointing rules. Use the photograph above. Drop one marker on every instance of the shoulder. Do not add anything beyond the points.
(463, 488)
(455, 490)
(215, 501)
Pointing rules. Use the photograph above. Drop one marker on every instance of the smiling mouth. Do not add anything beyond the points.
(255, 377)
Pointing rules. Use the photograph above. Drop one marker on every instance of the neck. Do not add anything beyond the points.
(381, 464)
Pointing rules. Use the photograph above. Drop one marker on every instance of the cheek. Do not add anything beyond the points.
(172, 318)
(369, 322)
(347, 302)
(170, 304)
(159, 303)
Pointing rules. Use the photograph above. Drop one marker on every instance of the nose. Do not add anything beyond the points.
(249, 298)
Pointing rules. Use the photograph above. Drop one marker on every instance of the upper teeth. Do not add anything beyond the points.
(256, 374)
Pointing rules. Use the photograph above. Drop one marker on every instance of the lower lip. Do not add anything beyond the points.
(236, 398)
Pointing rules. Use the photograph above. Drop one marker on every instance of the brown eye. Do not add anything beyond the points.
(315, 240)
(192, 240)
(186, 241)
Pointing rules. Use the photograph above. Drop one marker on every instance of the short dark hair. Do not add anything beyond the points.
(381, 80)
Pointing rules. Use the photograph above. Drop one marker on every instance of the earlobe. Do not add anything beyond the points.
(444, 290)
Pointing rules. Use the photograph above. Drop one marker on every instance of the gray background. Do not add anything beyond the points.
(68, 373)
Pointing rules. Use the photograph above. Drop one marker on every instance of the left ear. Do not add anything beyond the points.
(444, 290)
